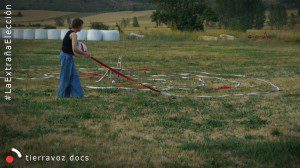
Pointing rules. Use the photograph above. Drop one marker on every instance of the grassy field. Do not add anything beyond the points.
(118, 128)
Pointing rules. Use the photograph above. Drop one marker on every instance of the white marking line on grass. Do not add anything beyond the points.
(158, 80)
(223, 74)
(238, 94)
(158, 75)
(183, 75)
(112, 87)
(268, 83)
(237, 84)
(253, 93)
(92, 69)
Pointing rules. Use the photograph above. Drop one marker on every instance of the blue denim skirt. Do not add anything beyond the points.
(69, 82)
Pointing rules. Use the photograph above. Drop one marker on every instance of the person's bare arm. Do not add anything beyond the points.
(73, 37)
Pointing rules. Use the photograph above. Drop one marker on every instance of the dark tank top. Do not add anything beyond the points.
(67, 43)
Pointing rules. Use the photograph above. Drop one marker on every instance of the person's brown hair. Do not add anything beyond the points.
(76, 23)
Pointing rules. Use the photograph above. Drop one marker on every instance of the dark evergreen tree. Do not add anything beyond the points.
(135, 22)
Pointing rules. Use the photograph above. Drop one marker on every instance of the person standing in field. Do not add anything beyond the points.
(69, 82)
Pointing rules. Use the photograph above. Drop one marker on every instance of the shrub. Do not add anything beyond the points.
(19, 14)
(135, 22)
(125, 22)
(59, 21)
(49, 27)
(99, 26)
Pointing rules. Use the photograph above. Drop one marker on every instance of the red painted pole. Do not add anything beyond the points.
(124, 76)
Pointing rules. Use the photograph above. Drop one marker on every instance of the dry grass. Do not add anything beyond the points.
(112, 17)
(137, 129)
(34, 16)
(140, 129)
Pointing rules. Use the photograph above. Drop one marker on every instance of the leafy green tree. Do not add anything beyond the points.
(224, 10)
(59, 21)
(259, 14)
(156, 17)
(292, 21)
(278, 16)
(125, 22)
(241, 14)
(210, 15)
(135, 22)
(180, 14)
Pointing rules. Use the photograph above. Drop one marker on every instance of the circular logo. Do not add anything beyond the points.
(9, 159)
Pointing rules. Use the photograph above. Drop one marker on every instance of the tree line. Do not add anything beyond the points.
(60, 21)
(229, 14)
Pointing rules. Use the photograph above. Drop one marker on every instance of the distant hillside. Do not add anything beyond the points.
(80, 5)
